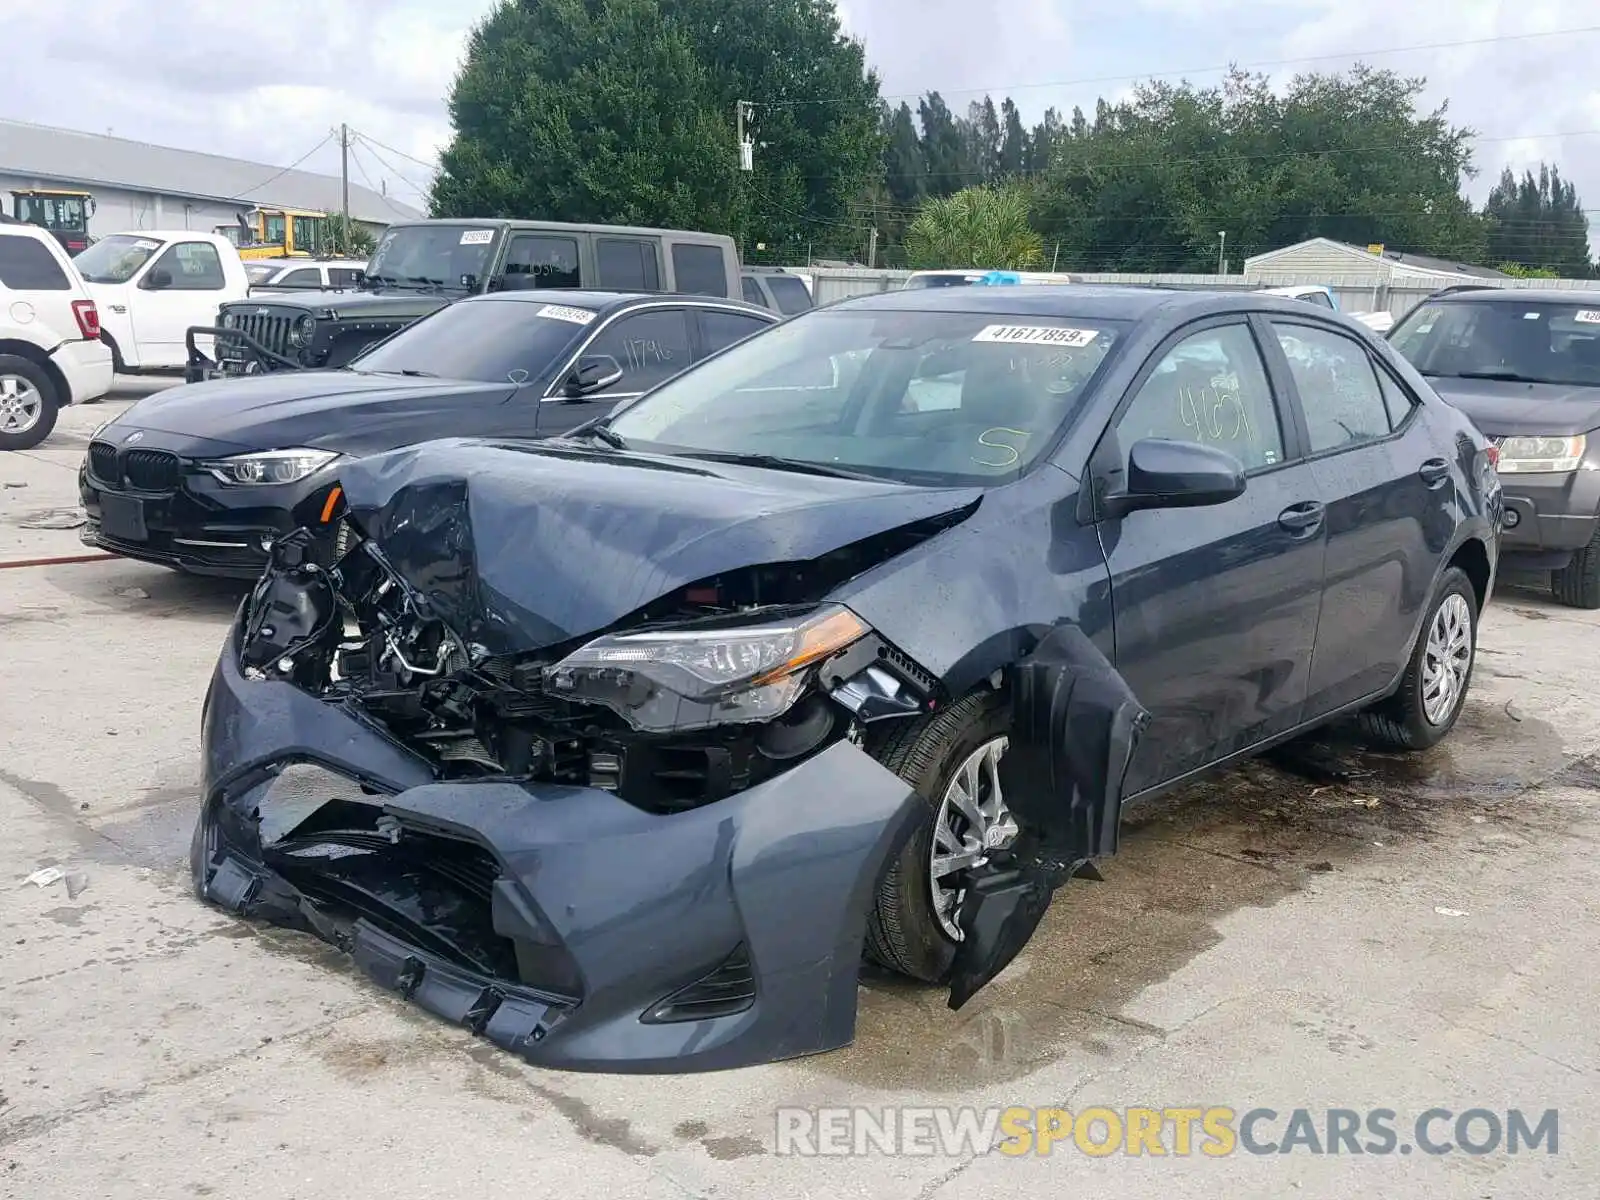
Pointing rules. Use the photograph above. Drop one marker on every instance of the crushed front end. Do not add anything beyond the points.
(648, 848)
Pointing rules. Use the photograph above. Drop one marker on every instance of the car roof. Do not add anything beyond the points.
(605, 301)
(1088, 301)
(1519, 296)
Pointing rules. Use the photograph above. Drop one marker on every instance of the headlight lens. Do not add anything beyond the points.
(1532, 455)
(270, 466)
(229, 321)
(300, 332)
(717, 672)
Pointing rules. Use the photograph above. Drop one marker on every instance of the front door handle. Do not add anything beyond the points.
(1302, 519)
(1434, 472)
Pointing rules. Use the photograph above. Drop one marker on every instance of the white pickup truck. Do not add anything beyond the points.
(152, 285)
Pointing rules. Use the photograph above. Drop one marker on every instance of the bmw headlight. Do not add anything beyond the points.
(270, 466)
(1534, 455)
(727, 670)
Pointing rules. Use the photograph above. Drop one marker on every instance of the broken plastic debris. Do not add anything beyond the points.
(1367, 801)
(1512, 711)
(45, 876)
(134, 593)
(77, 881)
(1449, 912)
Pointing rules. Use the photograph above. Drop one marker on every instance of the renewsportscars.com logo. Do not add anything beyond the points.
(1210, 1131)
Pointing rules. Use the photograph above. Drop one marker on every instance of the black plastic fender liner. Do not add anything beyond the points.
(1075, 725)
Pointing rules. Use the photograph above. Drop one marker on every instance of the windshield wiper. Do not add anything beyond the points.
(1502, 376)
(600, 433)
(776, 462)
(416, 374)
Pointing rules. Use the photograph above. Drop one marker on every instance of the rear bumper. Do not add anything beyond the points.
(555, 921)
(86, 366)
(1548, 516)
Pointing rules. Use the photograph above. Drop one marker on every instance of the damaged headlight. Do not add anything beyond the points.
(725, 671)
(270, 466)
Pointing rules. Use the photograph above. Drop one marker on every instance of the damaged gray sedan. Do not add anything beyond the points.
(621, 749)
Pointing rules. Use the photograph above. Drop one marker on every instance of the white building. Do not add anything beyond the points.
(1323, 260)
(139, 186)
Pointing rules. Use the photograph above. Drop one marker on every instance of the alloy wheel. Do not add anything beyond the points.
(972, 823)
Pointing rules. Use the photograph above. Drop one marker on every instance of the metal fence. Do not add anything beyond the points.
(1356, 294)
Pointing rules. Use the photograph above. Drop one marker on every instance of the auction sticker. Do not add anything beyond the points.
(1587, 316)
(1036, 335)
(560, 312)
(477, 237)
(146, 244)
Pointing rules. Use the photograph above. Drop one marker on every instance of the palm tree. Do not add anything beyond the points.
(981, 227)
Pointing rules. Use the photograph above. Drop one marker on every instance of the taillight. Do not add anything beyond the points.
(88, 317)
(1493, 452)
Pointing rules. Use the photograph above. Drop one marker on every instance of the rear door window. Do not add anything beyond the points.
(649, 346)
(1338, 387)
(628, 264)
(27, 265)
(699, 270)
(540, 260)
(752, 291)
(790, 294)
(303, 277)
(719, 330)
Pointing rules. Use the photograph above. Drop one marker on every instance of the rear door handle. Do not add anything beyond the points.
(1302, 519)
(1434, 472)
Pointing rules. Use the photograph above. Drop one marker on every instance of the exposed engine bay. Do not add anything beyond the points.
(708, 691)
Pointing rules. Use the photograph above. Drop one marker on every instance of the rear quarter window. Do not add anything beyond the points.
(26, 265)
(790, 294)
(699, 270)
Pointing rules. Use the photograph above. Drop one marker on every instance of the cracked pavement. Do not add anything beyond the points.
(1266, 938)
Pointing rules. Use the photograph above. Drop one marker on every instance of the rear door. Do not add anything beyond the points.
(192, 283)
(720, 328)
(629, 264)
(1215, 608)
(649, 345)
(1390, 504)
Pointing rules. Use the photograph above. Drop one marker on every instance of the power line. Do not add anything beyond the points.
(244, 194)
(375, 145)
(420, 189)
(1459, 43)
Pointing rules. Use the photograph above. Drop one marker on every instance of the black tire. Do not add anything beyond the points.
(903, 931)
(49, 402)
(1401, 722)
(1577, 585)
(118, 367)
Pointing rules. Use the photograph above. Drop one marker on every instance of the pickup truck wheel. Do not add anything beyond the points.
(28, 403)
(1434, 687)
(952, 760)
(1577, 585)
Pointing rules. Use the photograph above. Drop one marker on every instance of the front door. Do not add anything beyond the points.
(1391, 509)
(182, 288)
(649, 346)
(1215, 609)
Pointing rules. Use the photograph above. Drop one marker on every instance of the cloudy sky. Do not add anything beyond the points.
(208, 75)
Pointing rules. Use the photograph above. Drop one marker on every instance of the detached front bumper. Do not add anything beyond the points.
(561, 923)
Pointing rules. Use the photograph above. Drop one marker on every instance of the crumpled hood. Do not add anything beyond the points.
(1502, 409)
(523, 545)
(334, 410)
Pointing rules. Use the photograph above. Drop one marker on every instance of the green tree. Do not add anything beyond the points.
(976, 227)
(623, 111)
(905, 172)
(1013, 141)
(1538, 224)
(945, 147)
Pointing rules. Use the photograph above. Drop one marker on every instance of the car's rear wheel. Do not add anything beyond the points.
(28, 403)
(952, 759)
(1577, 585)
(1425, 706)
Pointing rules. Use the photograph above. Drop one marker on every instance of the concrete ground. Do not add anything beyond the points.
(1422, 934)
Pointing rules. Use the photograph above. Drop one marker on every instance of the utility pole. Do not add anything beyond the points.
(872, 247)
(742, 111)
(344, 182)
(1222, 247)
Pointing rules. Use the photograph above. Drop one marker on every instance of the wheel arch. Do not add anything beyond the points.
(44, 362)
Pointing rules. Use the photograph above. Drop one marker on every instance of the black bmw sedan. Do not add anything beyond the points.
(204, 477)
(620, 748)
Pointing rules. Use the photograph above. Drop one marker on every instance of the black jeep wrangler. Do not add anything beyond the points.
(420, 266)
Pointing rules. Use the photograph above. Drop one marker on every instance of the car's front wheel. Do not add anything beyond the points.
(1434, 688)
(952, 759)
(1577, 585)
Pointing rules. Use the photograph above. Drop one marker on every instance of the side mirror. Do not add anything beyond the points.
(593, 372)
(158, 279)
(1172, 474)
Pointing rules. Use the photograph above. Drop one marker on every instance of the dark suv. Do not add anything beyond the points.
(1525, 366)
(421, 266)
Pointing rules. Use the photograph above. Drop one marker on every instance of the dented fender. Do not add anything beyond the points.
(1075, 724)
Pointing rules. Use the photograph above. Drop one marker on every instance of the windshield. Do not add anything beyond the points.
(115, 259)
(939, 398)
(438, 256)
(491, 340)
(1518, 340)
